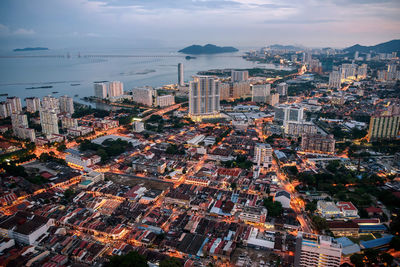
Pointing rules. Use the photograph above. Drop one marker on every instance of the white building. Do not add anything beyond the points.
(5, 109)
(165, 101)
(19, 120)
(49, 121)
(100, 90)
(181, 81)
(282, 89)
(334, 79)
(299, 128)
(67, 122)
(115, 88)
(289, 113)
(328, 209)
(204, 98)
(138, 126)
(253, 214)
(25, 133)
(15, 103)
(66, 104)
(143, 95)
(79, 131)
(263, 155)
(239, 75)
(362, 72)
(260, 92)
(348, 71)
(51, 103)
(284, 198)
(77, 160)
(317, 250)
(32, 104)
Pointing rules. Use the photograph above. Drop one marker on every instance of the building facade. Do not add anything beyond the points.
(282, 89)
(115, 89)
(66, 104)
(100, 90)
(260, 92)
(32, 104)
(143, 95)
(181, 78)
(318, 143)
(49, 121)
(239, 75)
(263, 155)
(204, 98)
(165, 101)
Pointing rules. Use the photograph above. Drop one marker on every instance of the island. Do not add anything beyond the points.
(30, 49)
(207, 49)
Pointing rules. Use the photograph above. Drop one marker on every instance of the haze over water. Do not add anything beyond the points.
(19, 73)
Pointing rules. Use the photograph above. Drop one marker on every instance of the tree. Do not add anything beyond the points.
(274, 207)
(319, 223)
(386, 258)
(171, 262)
(61, 147)
(311, 207)
(233, 186)
(371, 255)
(132, 259)
(357, 260)
(395, 243)
(68, 193)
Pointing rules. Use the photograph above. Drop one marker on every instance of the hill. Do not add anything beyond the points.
(388, 47)
(285, 47)
(30, 49)
(207, 49)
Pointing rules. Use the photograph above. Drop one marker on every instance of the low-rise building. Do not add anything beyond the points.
(283, 197)
(328, 209)
(253, 214)
(79, 131)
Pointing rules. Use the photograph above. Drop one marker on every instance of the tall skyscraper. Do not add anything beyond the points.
(115, 88)
(239, 75)
(15, 103)
(334, 79)
(204, 98)
(5, 109)
(66, 104)
(362, 71)
(317, 250)
(20, 127)
(100, 90)
(260, 92)
(263, 155)
(50, 102)
(286, 113)
(32, 104)
(180, 75)
(49, 121)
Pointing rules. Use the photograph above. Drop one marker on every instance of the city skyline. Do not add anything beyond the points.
(99, 23)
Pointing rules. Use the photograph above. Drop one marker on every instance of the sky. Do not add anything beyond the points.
(62, 24)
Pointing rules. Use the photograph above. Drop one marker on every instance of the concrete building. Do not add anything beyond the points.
(67, 122)
(348, 71)
(253, 214)
(334, 79)
(115, 89)
(165, 101)
(20, 127)
(318, 143)
(49, 121)
(32, 104)
(260, 92)
(263, 155)
(362, 71)
(51, 103)
(15, 103)
(289, 113)
(282, 89)
(297, 129)
(138, 126)
(5, 109)
(181, 78)
(100, 90)
(79, 131)
(225, 91)
(240, 89)
(19, 120)
(66, 104)
(143, 95)
(239, 75)
(384, 125)
(204, 98)
(273, 99)
(315, 250)
(328, 209)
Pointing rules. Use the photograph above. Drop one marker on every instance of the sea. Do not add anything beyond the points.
(73, 72)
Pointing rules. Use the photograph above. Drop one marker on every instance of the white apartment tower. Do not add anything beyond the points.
(204, 98)
(32, 104)
(317, 250)
(263, 155)
(143, 95)
(66, 104)
(49, 121)
(334, 79)
(100, 90)
(19, 120)
(239, 75)
(180, 75)
(115, 88)
(15, 103)
(5, 109)
(260, 92)
(282, 89)
(50, 102)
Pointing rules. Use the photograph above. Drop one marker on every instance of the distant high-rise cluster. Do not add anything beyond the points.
(108, 90)
(204, 98)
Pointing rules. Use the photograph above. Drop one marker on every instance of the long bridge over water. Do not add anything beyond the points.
(114, 56)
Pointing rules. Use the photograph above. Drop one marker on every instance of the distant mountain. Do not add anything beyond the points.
(388, 47)
(207, 49)
(30, 49)
(285, 47)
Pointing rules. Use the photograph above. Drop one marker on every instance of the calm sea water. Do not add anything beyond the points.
(16, 74)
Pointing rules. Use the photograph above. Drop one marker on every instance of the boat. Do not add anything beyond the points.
(75, 84)
(189, 57)
(55, 92)
(76, 95)
(40, 87)
(3, 94)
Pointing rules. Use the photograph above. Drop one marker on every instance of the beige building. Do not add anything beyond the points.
(204, 98)
(318, 143)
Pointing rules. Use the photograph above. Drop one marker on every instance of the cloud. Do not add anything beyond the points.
(300, 21)
(22, 31)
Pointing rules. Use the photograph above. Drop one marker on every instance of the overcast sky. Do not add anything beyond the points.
(177, 23)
